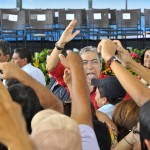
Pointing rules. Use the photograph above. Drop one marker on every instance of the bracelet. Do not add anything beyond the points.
(128, 142)
(109, 61)
(59, 48)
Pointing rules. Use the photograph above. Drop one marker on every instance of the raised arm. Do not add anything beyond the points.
(126, 143)
(81, 110)
(46, 97)
(140, 70)
(13, 131)
(66, 37)
(125, 57)
(138, 91)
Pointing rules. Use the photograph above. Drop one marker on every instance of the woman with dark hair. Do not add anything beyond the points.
(145, 61)
(28, 99)
(145, 58)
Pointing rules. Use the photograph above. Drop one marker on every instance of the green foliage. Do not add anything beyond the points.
(39, 61)
(105, 69)
(135, 53)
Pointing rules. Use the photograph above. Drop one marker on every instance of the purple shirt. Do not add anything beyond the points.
(89, 141)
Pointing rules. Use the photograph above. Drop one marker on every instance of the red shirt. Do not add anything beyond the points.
(58, 73)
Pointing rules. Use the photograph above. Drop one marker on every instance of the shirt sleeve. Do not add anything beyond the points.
(89, 141)
(58, 73)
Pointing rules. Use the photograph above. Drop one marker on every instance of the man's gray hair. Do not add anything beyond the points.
(89, 49)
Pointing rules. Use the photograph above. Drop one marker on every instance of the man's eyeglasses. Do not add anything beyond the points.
(93, 62)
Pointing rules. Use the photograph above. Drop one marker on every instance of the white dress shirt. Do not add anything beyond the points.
(35, 73)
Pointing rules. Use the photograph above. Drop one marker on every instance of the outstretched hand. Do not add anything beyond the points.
(70, 62)
(71, 59)
(122, 54)
(10, 70)
(107, 48)
(68, 34)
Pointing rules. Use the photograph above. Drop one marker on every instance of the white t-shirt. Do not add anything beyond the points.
(107, 109)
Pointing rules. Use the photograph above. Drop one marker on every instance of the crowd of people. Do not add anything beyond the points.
(98, 117)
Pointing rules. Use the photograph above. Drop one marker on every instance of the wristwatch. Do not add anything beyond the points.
(58, 48)
(113, 58)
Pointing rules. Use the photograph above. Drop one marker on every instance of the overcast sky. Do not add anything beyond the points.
(113, 4)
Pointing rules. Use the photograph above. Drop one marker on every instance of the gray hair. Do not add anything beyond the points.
(90, 49)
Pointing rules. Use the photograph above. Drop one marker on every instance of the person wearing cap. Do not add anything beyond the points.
(5, 51)
(89, 55)
(108, 93)
(138, 91)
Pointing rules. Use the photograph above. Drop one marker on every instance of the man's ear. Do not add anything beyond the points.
(25, 60)
(147, 142)
(101, 64)
(104, 101)
(7, 56)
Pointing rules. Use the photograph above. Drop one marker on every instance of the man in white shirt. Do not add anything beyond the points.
(23, 58)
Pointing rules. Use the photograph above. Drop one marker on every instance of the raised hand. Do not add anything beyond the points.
(67, 35)
(107, 48)
(71, 59)
(67, 78)
(13, 131)
(10, 70)
(123, 54)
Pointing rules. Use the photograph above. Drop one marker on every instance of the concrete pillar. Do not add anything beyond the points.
(90, 4)
(126, 4)
(19, 5)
